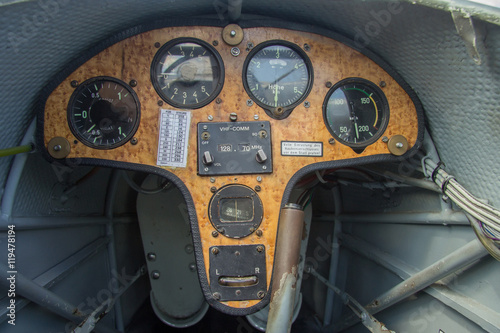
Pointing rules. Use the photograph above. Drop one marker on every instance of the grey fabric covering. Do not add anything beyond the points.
(460, 98)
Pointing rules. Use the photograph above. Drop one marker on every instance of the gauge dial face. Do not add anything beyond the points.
(103, 113)
(187, 73)
(277, 75)
(356, 112)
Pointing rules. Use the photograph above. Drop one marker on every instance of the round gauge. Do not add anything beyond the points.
(356, 112)
(277, 75)
(104, 112)
(187, 73)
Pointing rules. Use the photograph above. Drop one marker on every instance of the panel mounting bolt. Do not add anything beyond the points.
(260, 248)
(155, 275)
(215, 43)
(235, 51)
(189, 249)
(382, 84)
(216, 296)
(256, 117)
(307, 104)
(261, 294)
(331, 141)
(160, 103)
(259, 233)
(233, 116)
(74, 83)
(307, 47)
(215, 250)
(212, 180)
(192, 267)
(210, 117)
(328, 84)
(133, 83)
(218, 100)
(151, 256)
(385, 139)
(134, 141)
(57, 148)
(259, 179)
(213, 189)
(215, 234)
(249, 102)
(258, 188)
(157, 45)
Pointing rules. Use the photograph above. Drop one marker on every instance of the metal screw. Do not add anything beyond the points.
(215, 43)
(307, 104)
(188, 248)
(74, 83)
(212, 180)
(264, 167)
(399, 145)
(382, 84)
(134, 141)
(307, 47)
(210, 117)
(258, 188)
(331, 141)
(213, 189)
(133, 83)
(233, 116)
(192, 267)
(160, 103)
(205, 127)
(221, 230)
(75, 142)
(260, 248)
(215, 250)
(218, 100)
(57, 148)
(206, 169)
(249, 46)
(235, 51)
(261, 294)
(216, 296)
(328, 84)
(252, 229)
(259, 178)
(249, 102)
(237, 292)
(232, 33)
(385, 139)
(157, 44)
(259, 233)
(215, 234)
(256, 117)
(151, 256)
(155, 275)
(237, 253)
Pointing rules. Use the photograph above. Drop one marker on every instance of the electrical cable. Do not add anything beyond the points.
(16, 150)
(484, 218)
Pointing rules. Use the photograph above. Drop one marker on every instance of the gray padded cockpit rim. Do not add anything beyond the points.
(173, 178)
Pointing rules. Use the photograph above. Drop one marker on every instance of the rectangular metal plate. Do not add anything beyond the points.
(233, 147)
(238, 261)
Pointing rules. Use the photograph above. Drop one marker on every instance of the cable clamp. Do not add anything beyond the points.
(440, 165)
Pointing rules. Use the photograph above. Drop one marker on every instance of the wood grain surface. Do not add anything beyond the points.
(332, 61)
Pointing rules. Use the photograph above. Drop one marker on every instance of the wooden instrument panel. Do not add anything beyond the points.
(332, 61)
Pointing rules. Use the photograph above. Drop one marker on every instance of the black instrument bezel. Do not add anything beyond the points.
(279, 112)
(164, 49)
(385, 112)
(72, 125)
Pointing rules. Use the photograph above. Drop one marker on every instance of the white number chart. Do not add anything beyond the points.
(174, 138)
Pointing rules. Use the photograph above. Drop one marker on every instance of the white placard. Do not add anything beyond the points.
(174, 138)
(301, 148)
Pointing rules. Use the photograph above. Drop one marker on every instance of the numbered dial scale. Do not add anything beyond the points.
(103, 112)
(278, 76)
(356, 112)
(187, 73)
